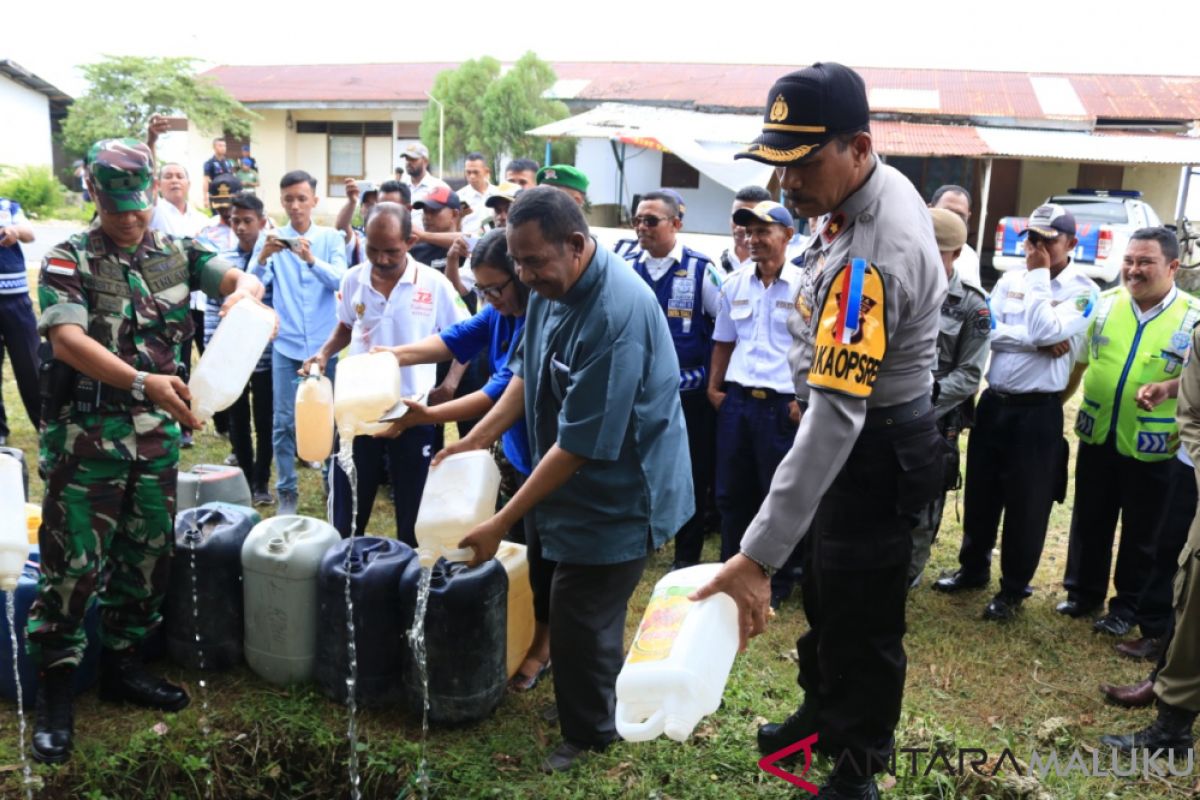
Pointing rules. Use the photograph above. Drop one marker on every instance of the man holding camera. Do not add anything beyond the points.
(1016, 456)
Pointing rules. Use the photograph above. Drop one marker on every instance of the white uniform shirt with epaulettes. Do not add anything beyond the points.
(755, 317)
(865, 325)
(1031, 309)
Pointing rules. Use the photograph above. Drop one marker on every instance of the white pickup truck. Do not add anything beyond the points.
(1104, 221)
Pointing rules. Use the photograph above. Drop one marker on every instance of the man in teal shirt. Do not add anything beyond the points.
(598, 383)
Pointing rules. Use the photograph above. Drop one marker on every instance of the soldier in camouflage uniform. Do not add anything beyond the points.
(962, 353)
(114, 303)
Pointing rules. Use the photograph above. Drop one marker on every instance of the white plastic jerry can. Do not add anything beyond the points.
(459, 494)
(230, 358)
(14, 537)
(677, 667)
(367, 387)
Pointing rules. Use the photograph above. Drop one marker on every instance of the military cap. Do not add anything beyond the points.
(766, 211)
(121, 172)
(221, 190)
(807, 108)
(504, 192)
(563, 175)
(949, 229)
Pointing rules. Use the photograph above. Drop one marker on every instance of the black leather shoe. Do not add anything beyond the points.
(960, 581)
(1112, 625)
(856, 788)
(1171, 730)
(1075, 608)
(55, 723)
(774, 736)
(123, 679)
(566, 755)
(1002, 607)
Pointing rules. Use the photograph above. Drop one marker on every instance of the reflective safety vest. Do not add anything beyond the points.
(679, 293)
(1123, 356)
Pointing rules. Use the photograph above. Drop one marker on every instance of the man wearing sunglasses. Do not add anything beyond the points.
(1016, 455)
(688, 288)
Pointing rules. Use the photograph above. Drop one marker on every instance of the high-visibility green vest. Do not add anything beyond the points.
(1123, 356)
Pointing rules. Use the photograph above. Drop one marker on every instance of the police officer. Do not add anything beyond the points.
(1126, 447)
(867, 456)
(18, 326)
(688, 289)
(750, 383)
(1017, 456)
(1177, 685)
(114, 303)
(962, 347)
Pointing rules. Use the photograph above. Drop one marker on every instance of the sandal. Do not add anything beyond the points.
(524, 683)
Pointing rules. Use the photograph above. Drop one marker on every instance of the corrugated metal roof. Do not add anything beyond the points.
(919, 139)
(606, 120)
(1106, 148)
(964, 93)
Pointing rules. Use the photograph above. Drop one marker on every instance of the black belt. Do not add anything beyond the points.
(887, 416)
(1023, 398)
(757, 392)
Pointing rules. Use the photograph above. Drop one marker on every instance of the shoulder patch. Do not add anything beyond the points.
(851, 335)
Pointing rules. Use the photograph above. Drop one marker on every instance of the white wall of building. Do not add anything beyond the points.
(707, 206)
(26, 116)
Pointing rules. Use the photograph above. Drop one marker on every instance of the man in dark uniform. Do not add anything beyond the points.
(114, 303)
(18, 326)
(962, 353)
(867, 456)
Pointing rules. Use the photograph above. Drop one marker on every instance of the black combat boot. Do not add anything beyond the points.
(774, 736)
(123, 679)
(55, 715)
(1171, 730)
(843, 787)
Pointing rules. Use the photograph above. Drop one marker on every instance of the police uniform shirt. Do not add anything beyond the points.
(1030, 309)
(870, 318)
(422, 303)
(754, 317)
(710, 282)
(963, 336)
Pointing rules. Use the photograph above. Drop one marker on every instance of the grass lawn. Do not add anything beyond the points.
(971, 684)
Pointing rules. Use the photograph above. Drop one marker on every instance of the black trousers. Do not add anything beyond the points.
(1108, 485)
(852, 660)
(1014, 465)
(588, 603)
(1155, 615)
(406, 459)
(19, 336)
(253, 453)
(700, 419)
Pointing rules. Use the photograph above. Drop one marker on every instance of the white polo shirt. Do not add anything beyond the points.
(422, 303)
(479, 212)
(755, 317)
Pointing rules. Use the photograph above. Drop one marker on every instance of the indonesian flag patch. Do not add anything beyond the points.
(61, 266)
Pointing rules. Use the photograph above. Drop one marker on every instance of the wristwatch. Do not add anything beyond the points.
(767, 569)
(138, 389)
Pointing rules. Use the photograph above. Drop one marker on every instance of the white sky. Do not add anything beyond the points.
(1099, 36)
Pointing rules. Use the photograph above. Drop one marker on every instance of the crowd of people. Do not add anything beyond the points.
(818, 386)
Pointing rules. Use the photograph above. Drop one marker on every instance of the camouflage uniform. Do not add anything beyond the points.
(110, 493)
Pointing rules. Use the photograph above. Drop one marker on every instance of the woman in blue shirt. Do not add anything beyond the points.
(497, 327)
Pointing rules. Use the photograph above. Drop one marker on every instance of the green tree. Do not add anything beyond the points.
(460, 92)
(515, 103)
(488, 111)
(125, 91)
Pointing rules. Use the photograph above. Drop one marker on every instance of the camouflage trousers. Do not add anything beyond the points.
(106, 532)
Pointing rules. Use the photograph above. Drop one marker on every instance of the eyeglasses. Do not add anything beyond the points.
(649, 221)
(492, 292)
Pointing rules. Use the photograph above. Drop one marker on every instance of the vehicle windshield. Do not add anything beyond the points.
(1094, 211)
